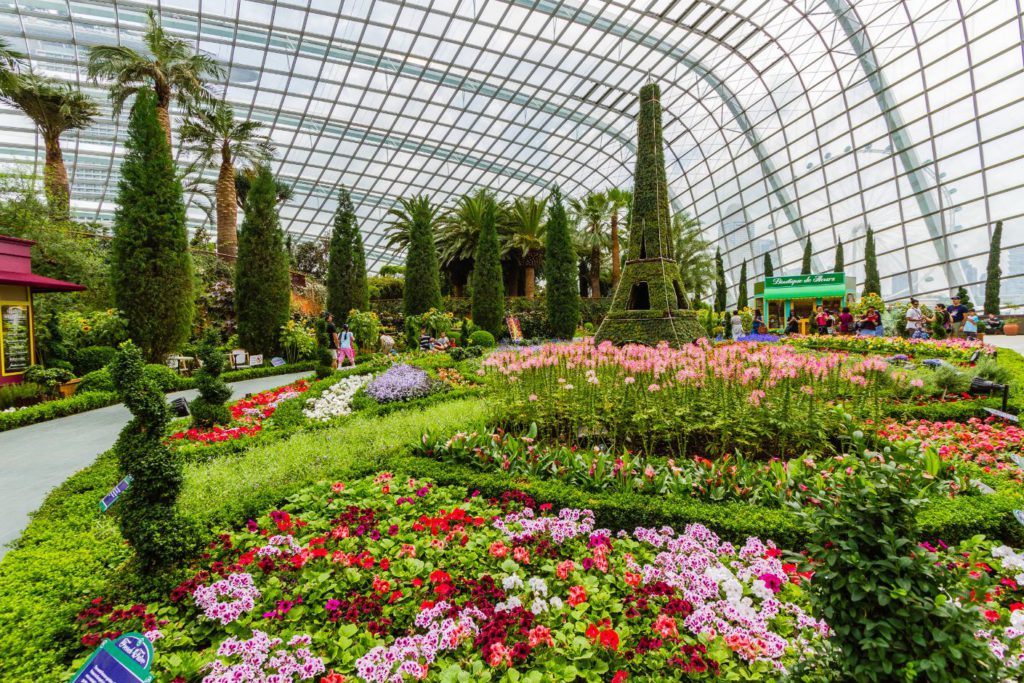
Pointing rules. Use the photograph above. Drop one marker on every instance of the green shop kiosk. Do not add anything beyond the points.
(777, 297)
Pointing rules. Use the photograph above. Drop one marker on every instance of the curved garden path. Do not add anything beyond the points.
(36, 458)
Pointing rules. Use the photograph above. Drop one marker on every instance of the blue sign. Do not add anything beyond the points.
(277, 362)
(115, 493)
(125, 660)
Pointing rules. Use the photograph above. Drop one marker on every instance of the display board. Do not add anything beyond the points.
(16, 333)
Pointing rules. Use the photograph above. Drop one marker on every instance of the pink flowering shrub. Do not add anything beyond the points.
(762, 400)
(403, 580)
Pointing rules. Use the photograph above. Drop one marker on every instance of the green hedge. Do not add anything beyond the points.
(62, 407)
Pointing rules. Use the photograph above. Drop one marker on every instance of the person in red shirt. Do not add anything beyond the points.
(821, 320)
(845, 321)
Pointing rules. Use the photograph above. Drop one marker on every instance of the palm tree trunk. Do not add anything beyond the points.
(55, 179)
(163, 113)
(529, 285)
(457, 289)
(227, 212)
(615, 249)
(595, 273)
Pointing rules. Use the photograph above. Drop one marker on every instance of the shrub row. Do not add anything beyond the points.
(78, 403)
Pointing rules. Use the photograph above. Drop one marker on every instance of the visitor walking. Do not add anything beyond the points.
(917, 321)
(845, 321)
(346, 346)
(737, 325)
(956, 313)
(332, 340)
(970, 328)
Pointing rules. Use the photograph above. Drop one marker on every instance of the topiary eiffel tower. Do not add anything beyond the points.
(648, 305)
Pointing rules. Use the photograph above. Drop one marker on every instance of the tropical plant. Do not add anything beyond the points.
(311, 257)
(262, 282)
(11, 62)
(212, 132)
(55, 107)
(298, 341)
(806, 265)
(365, 327)
(618, 200)
(170, 67)
(993, 273)
(741, 298)
(346, 265)
(457, 236)
(422, 288)
(840, 259)
(488, 289)
(562, 293)
(401, 218)
(151, 267)
(591, 212)
(720, 292)
(769, 269)
(696, 264)
(525, 228)
(872, 280)
(244, 177)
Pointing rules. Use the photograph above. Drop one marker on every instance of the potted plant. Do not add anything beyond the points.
(1011, 329)
(55, 380)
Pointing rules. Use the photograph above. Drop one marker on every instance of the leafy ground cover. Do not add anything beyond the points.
(952, 348)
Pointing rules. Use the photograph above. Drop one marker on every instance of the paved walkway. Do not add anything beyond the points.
(1003, 341)
(36, 458)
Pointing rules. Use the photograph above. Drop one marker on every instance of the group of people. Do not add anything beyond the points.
(956, 319)
(825, 321)
(428, 343)
(342, 344)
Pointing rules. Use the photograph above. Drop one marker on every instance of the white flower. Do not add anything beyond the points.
(336, 400)
(538, 586)
(512, 582)
(556, 604)
(760, 590)
(538, 606)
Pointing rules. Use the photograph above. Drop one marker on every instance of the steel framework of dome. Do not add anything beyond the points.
(783, 118)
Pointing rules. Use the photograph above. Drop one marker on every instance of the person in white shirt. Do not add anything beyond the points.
(917, 321)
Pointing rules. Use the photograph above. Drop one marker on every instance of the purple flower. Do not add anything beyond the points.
(399, 383)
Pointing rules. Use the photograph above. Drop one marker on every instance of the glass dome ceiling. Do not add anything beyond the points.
(783, 118)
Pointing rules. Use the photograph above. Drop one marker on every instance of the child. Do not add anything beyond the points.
(346, 347)
(970, 328)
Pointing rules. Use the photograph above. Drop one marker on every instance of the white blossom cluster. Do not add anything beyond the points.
(336, 400)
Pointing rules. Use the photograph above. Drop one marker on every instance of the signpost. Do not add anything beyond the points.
(277, 362)
(115, 493)
(17, 338)
(125, 660)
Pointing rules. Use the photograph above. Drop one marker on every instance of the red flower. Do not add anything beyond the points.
(577, 595)
(619, 677)
(333, 678)
(610, 639)
(440, 576)
(992, 615)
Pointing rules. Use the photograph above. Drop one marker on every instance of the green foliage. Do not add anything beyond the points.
(741, 300)
(562, 293)
(346, 266)
(41, 412)
(298, 341)
(17, 395)
(769, 270)
(481, 338)
(840, 264)
(97, 380)
(720, 290)
(91, 358)
(993, 272)
(886, 599)
(422, 289)
(965, 297)
(994, 371)
(262, 281)
(365, 327)
(147, 515)
(209, 409)
(386, 287)
(164, 378)
(488, 288)
(49, 378)
(806, 265)
(872, 280)
(151, 267)
(696, 264)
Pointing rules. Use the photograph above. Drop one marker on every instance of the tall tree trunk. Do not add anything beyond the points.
(512, 288)
(227, 210)
(595, 273)
(457, 289)
(55, 179)
(163, 112)
(530, 281)
(615, 249)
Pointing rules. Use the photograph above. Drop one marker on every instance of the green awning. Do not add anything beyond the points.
(820, 286)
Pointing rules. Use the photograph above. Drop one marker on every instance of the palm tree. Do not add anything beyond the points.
(457, 235)
(618, 199)
(402, 216)
(214, 131)
(696, 262)
(10, 62)
(171, 67)
(525, 230)
(55, 107)
(591, 212)
(244, 178)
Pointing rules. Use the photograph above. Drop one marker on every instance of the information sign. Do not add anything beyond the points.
(17, 338)
(115, 493)
(125, 660)
(514, 331)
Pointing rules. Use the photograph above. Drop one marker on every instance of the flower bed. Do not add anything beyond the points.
(987, 443)
(405, 581)
(249, 412)
(400, 383)
(763, 400)
(336, 401)
(953, 348)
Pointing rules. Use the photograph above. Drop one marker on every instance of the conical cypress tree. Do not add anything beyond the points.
(872, 281)
(964, 296)
(769, 270)
(741, 300)
(151, 267)
(840, 259)
(488, 289)
(994, 273)
(346, 264)
(562, 291)
(720, 292)
(262, 280)
(422, 276)
(805, 266)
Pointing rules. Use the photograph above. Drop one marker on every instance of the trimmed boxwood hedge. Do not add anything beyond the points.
(40, 412)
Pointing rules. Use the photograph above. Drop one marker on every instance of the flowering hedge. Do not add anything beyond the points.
(953, 348)
(400, 383)
(384, 580)
(248, 414)
(708, 400)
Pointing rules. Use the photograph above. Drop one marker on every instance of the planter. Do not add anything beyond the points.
(1011, 329)
(69, 387)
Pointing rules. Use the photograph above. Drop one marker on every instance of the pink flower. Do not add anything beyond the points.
(533, 397)
(917, 383)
